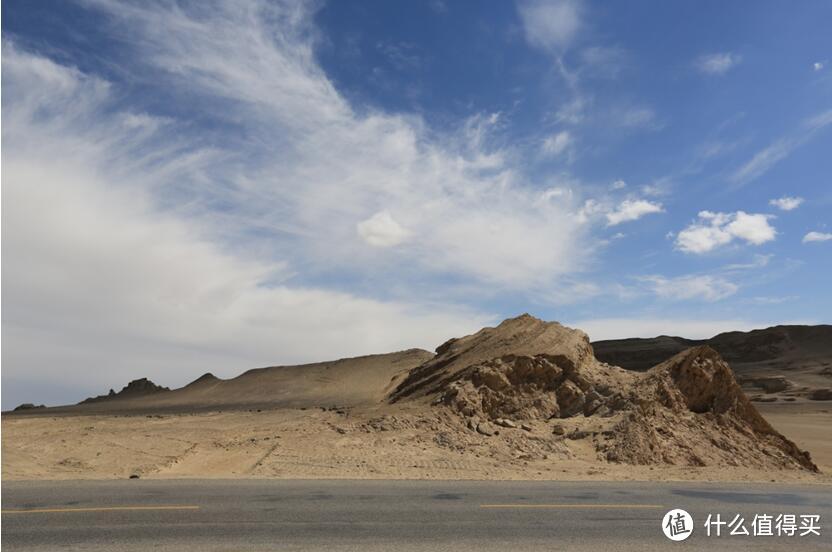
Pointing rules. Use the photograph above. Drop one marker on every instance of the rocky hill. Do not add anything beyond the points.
(687, 410)
(783, 362)
(137, 388)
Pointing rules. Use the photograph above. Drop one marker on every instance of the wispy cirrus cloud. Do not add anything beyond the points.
(286, 185)
(780, 149)
(456, 196)
(684, 288)
(108, 275)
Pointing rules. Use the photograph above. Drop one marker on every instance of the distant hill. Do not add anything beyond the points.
(780, 358)
(345, 382)
(793, 361)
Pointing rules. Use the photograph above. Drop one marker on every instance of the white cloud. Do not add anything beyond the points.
(754, 229)
(105, 288)
(618, 185)
(117, 257)
(327, 163)
(786, 203)
(706, 287)
(719, 63)
(550, 24)
(557, 144)
(818, 65)
(632, 209)
(381, 230)
(589, 210)
(713, 230)
(817, 237)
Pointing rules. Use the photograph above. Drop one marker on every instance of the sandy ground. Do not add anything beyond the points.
(809, 425)
(400, 442)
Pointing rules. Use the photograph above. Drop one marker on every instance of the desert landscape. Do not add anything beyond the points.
(265, 264)
(526, 399)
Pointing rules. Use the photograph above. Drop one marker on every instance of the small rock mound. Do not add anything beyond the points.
(135, 388)
(28, 406)
(691, 411)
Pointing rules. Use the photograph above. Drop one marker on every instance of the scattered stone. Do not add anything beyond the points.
(486, 428)
(763, 399)
(557, 429)
(134, 476)
(772, 384)
(820, 395)
(502, 422)
(604, 412)
(526, 427)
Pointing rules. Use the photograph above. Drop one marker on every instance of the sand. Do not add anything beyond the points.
(398, 442)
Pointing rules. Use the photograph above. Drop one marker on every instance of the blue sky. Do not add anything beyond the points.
(210, 186)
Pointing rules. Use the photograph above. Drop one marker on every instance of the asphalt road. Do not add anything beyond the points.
(392, 515)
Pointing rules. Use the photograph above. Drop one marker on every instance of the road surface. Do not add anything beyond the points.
(227, 515)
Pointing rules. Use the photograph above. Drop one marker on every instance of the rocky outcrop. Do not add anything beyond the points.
(820, 395)
(521, 336)
(691, 411)
(529, 388)
(28, 406)
(136, 388)
(688, 410)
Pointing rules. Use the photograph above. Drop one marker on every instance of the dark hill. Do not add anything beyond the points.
(792, 359)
